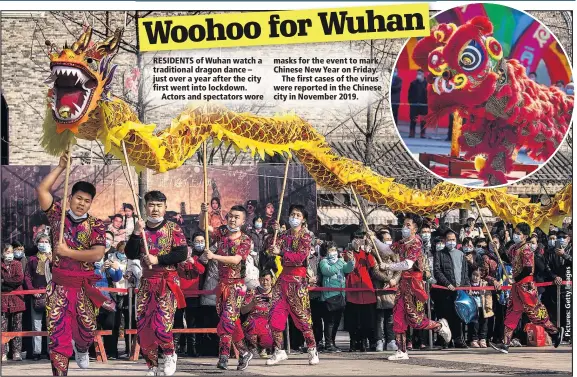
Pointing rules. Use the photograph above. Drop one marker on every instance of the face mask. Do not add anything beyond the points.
(440, 246)
(406, 232)
(8, 257)
(232, 230)
(294, 222)
(332, 257)
(562, 241)
(121, 256)
(420, 77)
(480, 250)
(18, 254)
(154, 220)
(395, 74)
(199, 246)
(570, 92)
(533, 247)
(451, 244)
(516, 238)
(258, 225)
(77, 218)
(551, 243)
(44, 247)
(108, 244)
(467, 249)
(426, 237)
(388, 242)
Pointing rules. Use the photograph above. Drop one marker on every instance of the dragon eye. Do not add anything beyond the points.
(92, 63)
(472, 56)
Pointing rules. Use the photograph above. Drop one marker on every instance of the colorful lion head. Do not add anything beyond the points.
(80, 76)
(460, 60)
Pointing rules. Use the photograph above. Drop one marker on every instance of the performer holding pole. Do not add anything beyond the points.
(411, 297)
(79, 241)
(524, 296)
(159, 292)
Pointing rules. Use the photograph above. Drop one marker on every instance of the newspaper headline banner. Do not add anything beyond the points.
(283, 27)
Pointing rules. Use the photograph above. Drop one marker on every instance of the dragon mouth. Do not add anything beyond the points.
(72, 92)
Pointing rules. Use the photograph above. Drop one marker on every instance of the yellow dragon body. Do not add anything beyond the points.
(81, 106)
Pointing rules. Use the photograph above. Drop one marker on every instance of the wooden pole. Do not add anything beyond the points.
(136, 207)
(491, 241)
(65, 195)
(205, 168)
(377, 254)
(281, 198)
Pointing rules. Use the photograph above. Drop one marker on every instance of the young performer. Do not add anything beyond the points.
(72, 301)
(290, 293)
(257, 304)
(411, 296)
(159, 292)
(233, 249)
(524, 296)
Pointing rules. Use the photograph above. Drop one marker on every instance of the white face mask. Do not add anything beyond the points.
(155, 220)
(516, 238)
(44, 247)
(533, 247)
(440, 246)
(426, 237)
(8, 257)
(77, 218)
(451, 244)
(294, 222)
(388, 242)
(406, 232)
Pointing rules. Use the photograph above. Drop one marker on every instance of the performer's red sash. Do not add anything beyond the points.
(168, 278)
(80, 279)
(527, 297)
(414, 281)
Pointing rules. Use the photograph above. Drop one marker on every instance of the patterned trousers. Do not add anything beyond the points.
(290, 296)
(155, 308)
(229, 298)
(15, 320)
(409, 311)
(71, 315)
(257, 332)
(524, 299)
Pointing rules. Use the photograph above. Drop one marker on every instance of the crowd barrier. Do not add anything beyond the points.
(135, 348)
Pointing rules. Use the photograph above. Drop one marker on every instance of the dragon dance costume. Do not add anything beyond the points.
(159, 292)
(72, 301)
(231, 290)
(290, 293)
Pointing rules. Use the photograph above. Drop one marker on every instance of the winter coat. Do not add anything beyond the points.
(386, 299)
(333, 276)
(313, 266)
(12, 279)
(445, 272)
(361, 278)
(210, 281)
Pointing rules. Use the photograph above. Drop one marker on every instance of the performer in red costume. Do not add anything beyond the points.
(233, 249)
(290, 293)
(524, 297)
(72, 301)
(159, 293)
(257, 304)
(411, 297)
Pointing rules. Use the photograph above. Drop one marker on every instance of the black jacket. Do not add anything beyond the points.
(396, 86)
(418, 92)
(559, 264)
(445, 272)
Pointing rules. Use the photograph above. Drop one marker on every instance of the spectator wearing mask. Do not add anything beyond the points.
(560, 84)
(477, 331)
(473, 260)
(109, 273)
(533, 76)
(570, 89)
(210, 317)
(317, 306)
(470, 231)
(19, 254)
(118, 234)
(35, 278)
(451, 271)
(360, 305)
(190, 273)
(558, 258)
(333, 271)
(396, 86)
(117, 256)
(385, 299)
(128, 219)
(13, 306)
(257, 234)
(418, 102)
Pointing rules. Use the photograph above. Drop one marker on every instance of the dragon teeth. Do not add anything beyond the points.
(78, 109)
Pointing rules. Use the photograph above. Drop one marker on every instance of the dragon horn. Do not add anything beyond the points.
(111, 44)
(80, 45)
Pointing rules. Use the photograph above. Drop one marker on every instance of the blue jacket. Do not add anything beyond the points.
(334, 276)
(107, 278)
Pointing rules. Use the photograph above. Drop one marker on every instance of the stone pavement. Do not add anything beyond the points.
(479, 362)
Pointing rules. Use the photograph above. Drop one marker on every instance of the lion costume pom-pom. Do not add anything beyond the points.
(504, 110)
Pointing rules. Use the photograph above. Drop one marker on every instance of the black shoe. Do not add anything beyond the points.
(36, 357)
(558, 338)
(337, 349)
(331, 349)
(222, 362)
(244, 360)
(461, 345)
(352, 346)
(501, 347)
(362, 346)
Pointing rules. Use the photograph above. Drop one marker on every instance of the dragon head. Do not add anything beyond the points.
(80, 76)
(462, 62)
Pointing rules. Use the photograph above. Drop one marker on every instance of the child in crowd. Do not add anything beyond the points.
(484, 299)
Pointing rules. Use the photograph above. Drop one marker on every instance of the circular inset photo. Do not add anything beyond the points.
(486, 98)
